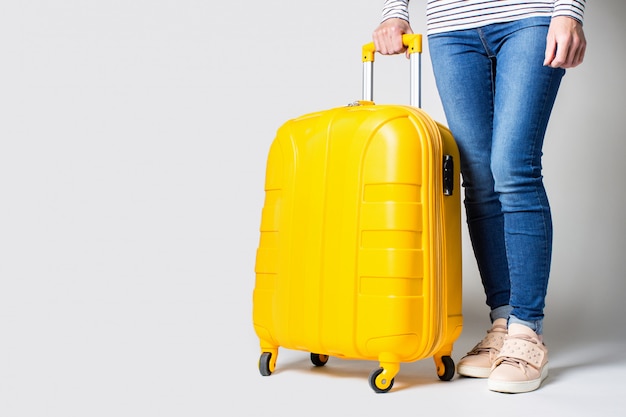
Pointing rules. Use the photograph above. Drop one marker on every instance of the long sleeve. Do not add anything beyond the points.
(396, 8)
(571, 8)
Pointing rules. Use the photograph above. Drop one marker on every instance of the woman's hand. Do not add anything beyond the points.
(566, 43)
(388, 36)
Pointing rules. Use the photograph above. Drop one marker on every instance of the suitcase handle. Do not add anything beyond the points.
(413, 42)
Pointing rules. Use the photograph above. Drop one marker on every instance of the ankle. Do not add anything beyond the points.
(521, 329)
(499, 324)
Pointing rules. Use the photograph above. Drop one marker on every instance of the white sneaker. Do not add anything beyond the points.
(522, 364)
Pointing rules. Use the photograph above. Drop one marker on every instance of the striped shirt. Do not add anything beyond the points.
(448, 15)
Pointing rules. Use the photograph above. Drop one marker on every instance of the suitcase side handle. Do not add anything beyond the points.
(413, 42)
(448, 175)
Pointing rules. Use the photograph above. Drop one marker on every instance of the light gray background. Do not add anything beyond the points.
(133, 137)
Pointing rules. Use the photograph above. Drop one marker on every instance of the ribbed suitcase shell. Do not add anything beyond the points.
(360, 250)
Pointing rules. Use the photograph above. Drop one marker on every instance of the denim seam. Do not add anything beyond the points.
(492, 57)
(546, 266)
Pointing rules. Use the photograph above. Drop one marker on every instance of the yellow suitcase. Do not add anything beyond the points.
(360, 239)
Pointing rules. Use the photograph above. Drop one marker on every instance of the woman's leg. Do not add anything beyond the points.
(498, 96)
(465, 76)
(524, 96)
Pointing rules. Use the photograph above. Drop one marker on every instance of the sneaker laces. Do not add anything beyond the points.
(488, 345)
(521, 364)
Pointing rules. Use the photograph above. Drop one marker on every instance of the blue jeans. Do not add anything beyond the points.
(497, 97)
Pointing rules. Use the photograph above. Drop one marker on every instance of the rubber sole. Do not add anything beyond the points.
(473, 371)
(518, 387)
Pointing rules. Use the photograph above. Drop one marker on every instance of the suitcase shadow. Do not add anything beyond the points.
(412, 374)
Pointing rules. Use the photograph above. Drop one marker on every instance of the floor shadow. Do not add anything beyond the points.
(411, 375)
(576, 343)
(584, 357)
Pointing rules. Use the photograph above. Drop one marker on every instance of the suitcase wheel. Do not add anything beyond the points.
(379, 381)
(446, 369)
(318, 359)
(265, 364)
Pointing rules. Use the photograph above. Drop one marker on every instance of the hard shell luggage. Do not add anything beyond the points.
(360, 239)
